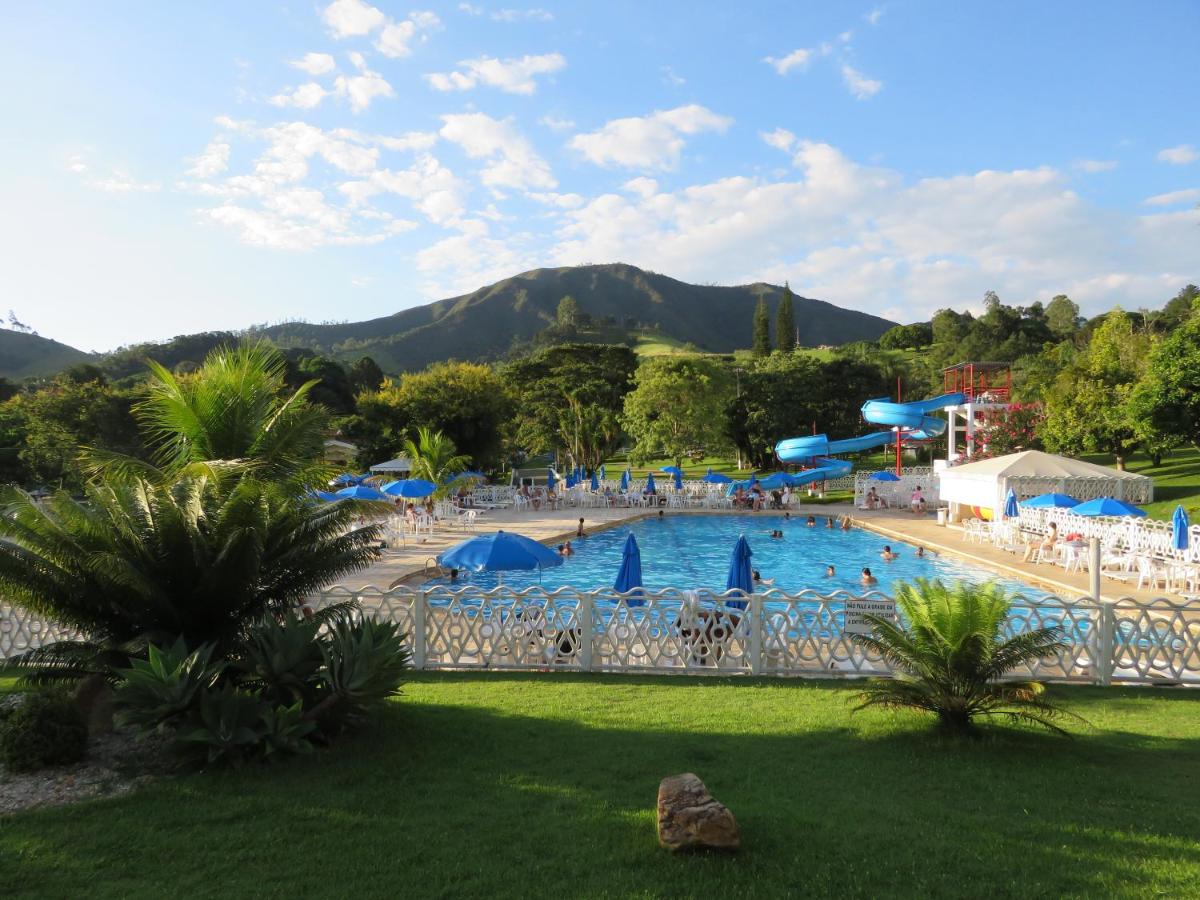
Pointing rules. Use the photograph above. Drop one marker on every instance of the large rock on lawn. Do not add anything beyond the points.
(690, 819)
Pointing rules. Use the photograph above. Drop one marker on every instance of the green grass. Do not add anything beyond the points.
(530, 786)
(1176, 481)
(662, 345)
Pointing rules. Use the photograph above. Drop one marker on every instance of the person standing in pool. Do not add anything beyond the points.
(830, 572)
(579, 530)
(887, 553)
(867, 577)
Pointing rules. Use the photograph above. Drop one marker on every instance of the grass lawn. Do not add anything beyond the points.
(530, 786)
(1176, 481)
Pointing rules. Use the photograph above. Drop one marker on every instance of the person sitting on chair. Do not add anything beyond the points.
(1046, 545)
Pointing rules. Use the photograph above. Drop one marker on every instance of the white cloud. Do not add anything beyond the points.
(1188, 195)
(512, 161)
(120, 182)
(77, 164)
(306, 96)
(563, 201)
(514, 76)
(797, 59)
(670, 77)
(1178, 156)
(470, 9)
(213, 160)
(354, 18)
(364, 87)
(556, 124)
(647, 142)
(780, 139)
(522, 15)
(315, 63)
(859, 84)
(1092, 166)
(284, 201)
(641, 186)
(873, 17)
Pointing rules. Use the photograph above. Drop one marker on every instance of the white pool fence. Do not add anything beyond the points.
(698, 632)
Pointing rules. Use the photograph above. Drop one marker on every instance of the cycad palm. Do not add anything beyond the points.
(195, 556)
(234, 407)
(950, 657)
(434, 457)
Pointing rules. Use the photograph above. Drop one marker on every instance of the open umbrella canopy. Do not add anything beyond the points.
(884, 476)
(650, 488)
(712, 477)
(410, 487)
(1107, 506)
(362, 492)
(1010, 505)
(1060, 501)
(327, 496)
(500, 552)
(672, 470)
(625, 480)
(629, 577)
(347, 479)
(1179, 528)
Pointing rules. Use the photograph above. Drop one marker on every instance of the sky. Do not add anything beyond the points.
(167, 168)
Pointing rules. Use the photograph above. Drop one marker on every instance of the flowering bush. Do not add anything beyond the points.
(1009, 430)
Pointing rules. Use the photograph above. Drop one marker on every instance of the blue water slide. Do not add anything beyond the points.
(913, 417)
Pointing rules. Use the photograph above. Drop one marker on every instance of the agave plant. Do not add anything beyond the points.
(951, 657)
(196, 556)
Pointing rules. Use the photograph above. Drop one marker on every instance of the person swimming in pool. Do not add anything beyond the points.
(830, 572)
(811, 522)
(757, 578)
(867, 577)
(829, 522)
(887, 553)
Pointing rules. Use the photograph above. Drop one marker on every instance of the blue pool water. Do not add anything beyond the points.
(693, 552)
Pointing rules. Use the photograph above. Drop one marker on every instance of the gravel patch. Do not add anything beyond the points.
(116, 764)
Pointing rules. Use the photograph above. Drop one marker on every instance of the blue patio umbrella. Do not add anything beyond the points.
(327, 496)
(1107, 506)
(1060, 501)
(362, 492)
(601, 470)
(595, 482)
(625, 480)
(570, 480)
(629, 577)
(883, 476)
(550, 480)
(712, 477)
(1179, 528)
(741, 576)
(672, 470)
(346, 479)
(1010, 505)
(678, 480)
(410, 487)
(500, 552)
(650, 488)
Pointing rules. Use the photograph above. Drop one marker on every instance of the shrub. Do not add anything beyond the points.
(48, 729)
(952, 660)
(160, 690)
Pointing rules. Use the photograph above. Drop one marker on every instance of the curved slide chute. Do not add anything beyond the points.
(913, 418)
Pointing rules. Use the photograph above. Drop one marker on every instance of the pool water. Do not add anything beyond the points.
(686, 551)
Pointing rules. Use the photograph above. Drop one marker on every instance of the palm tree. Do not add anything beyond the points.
(434, 457)
(234, 407)
(951, 658)
(194, 556)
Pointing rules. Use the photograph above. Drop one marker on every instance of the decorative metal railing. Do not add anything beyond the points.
(1141, 537)
(702, 632)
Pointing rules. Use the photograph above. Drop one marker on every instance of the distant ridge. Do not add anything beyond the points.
(24, 355)
(484, 323)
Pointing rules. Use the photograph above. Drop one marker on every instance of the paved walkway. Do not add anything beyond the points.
(555, 526)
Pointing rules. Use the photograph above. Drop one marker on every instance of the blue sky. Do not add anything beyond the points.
(172, 167)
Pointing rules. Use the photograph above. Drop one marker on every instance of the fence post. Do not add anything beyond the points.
(585, 630)
(756, 634)
(419, 630)
(1106, 651)
(1094, 568)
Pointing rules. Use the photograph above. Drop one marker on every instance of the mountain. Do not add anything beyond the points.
(485, 323)
(22, 355)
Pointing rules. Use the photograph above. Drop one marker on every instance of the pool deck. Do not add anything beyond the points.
(554, 526)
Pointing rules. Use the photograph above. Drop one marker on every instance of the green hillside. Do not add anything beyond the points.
(485, 323)
(23, 355)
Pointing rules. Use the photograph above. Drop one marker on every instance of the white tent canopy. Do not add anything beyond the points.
(986, 483)
(400, 464)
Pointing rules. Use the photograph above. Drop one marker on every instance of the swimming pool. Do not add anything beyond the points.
(692, 551)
